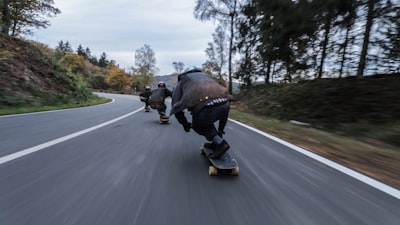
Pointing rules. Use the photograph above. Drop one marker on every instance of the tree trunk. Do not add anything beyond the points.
(230, 56)
(232, 15)
(5, 17)
(325, 43)
(346, 41)
(268, 75)
(370, 17)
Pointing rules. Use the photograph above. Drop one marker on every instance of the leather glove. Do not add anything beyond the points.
(187, 126)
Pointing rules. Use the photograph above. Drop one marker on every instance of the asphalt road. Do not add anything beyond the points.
(114, 164)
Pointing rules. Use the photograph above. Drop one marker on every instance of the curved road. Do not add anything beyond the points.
(114, 164)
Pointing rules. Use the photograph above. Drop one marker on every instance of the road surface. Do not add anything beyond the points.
(115, 164)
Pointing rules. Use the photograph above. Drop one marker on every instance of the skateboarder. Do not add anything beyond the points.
(208, 102)
(144, 97)
(157, 99)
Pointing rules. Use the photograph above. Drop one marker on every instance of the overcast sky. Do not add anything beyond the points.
(120, 27)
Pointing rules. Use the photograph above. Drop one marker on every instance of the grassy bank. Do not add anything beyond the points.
(375, 159)
(40, 108)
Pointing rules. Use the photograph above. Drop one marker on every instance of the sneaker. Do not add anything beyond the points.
(209, 145)
(164, 117)
(220, 150)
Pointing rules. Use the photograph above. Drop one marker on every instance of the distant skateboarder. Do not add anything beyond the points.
(208, 102)
(144, 97)
(157, 100)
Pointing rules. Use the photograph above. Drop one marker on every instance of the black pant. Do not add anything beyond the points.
(161, 107)
(203, 121)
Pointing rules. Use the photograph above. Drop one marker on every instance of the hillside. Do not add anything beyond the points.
(349, 106)
(31, 76)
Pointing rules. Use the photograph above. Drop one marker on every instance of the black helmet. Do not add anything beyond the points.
(147, 88)
(161, 84)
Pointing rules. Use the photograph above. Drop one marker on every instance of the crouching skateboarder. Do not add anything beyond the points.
(157, 100)
(208, 102)
(144, 97)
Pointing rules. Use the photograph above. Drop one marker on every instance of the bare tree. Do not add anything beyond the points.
(224, 11)
(216, 52)
(145, 61)
(178, 66)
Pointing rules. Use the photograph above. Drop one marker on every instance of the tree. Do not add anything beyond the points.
(145, 62)
(327, 13)
(346, 24)
(390, 43)
(211, 65)
(75, 63)
(250, 62)
(103, 62)
(5, 22)
(224, 11)
(370, 17)
(116, 77)
(286, 38)
(62, 49)
(18, 16)
(178, 67)
(81, 51)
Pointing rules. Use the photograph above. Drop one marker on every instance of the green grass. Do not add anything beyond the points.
(19, 110)
(366, 155)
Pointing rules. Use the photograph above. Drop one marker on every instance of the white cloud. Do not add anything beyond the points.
(119, 27)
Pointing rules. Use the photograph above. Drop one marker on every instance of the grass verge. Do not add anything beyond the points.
(18, 110)
(375, 159)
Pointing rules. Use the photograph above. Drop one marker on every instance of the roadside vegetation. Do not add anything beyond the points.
(323, 116)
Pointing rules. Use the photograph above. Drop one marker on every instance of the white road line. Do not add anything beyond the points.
(365, 179)
(36, 148)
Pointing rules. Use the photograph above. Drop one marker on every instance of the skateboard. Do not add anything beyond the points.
(225, 164)
(164, 121)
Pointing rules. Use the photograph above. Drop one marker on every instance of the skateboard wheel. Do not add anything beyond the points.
(235, 171)
(212, 171)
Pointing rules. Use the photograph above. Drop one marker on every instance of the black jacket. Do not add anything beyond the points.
(158, 95)
(195, 90)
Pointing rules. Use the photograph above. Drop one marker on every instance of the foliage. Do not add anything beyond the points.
(216, 53)
(320, 38)
(103, 61)
(76, 63)
(178, 67)
(17, 17)
(145, 63)
(97, 81)
(116, 77)
(225, 12)
(31, 75)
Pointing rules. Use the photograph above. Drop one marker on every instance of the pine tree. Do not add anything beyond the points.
(103, 62)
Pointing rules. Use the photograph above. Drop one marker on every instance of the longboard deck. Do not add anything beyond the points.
(164, 121)
(224, 164)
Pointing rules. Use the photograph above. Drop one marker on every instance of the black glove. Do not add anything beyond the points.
(220, 133)
(187, 126)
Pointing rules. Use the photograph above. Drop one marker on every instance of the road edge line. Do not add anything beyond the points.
(356, 175)
(42, 146)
